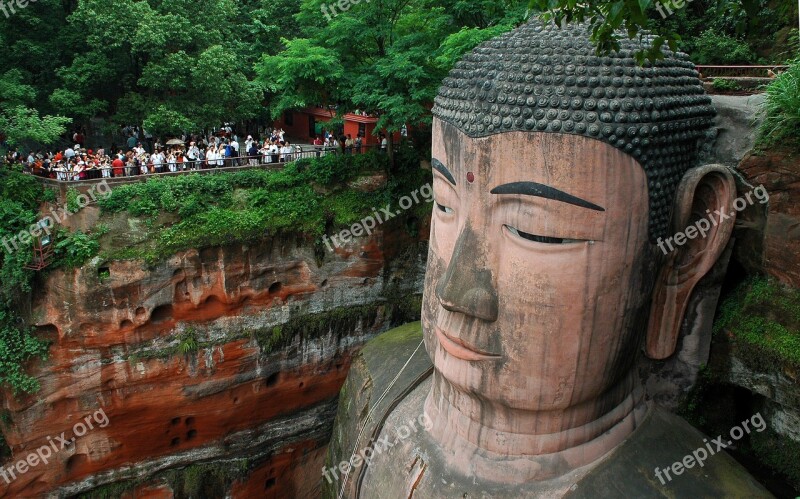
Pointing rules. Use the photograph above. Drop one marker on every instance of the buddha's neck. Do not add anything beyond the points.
(540, 444)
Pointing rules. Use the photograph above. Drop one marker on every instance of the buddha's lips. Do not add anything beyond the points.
(460, 350)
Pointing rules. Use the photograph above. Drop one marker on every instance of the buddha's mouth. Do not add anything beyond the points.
(460, 350)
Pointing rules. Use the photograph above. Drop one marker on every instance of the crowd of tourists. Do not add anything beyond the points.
(143, 154)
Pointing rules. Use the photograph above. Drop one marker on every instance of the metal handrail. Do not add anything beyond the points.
(711, 71)
(187, 166)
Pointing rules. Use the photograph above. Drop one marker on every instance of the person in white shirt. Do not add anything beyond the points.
(286, 153)
(158, 160)
(192, 155)
(211, 156)
(273, 153)
(69, 153)
(235, 155)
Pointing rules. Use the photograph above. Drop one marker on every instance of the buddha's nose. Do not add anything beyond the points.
(466, 285)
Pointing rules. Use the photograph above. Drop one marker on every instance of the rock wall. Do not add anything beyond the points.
(771, 243)
(218, 369)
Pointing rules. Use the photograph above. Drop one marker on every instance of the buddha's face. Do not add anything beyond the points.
(539, 269)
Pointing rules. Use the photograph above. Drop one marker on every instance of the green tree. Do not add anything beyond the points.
(19, 121)
(612, 19)
(385, 57)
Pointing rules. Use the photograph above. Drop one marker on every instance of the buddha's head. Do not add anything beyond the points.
(558, 174)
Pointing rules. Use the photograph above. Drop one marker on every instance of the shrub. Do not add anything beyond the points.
(18, 346)
(781, 109)
(725, 85)
(718, 48)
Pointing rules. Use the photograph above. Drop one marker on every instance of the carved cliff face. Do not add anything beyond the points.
(538, 277)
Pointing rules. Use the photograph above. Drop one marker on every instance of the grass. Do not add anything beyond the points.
(782, 109)
(762, 318)
(306, 198)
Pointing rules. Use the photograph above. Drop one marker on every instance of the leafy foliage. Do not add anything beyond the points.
(700, 28)
(19, 198)
(18, 120)
(725, 85)
(764, 318)
(718, 48)
(384, 57)
(782, 108)
(18, 346)
(306, 197)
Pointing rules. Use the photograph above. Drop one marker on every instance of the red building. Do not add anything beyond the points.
(304, 124)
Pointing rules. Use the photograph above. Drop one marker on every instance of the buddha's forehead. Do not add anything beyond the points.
(579, 165)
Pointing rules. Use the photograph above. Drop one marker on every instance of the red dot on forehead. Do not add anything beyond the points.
(470, 177)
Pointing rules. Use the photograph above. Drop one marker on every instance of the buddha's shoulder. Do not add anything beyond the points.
(667, 443)
(381, 374)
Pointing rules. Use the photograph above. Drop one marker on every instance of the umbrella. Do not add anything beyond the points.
(175, 142)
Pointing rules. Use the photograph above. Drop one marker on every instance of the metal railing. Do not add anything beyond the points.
(268, 160)
(740, 71)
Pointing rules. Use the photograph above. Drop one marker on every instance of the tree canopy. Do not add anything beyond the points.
(180, 65)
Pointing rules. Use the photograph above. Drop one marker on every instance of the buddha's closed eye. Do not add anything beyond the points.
(444, 208)
(541, 239)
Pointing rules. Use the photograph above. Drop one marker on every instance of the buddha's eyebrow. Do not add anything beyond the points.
(543, 191)
(439, 167)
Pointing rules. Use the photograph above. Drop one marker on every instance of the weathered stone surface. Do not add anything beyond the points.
(413, 462)
(770, 239)
(269, 331)
(736, 122)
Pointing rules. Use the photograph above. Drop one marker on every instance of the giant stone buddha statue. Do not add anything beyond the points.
(559, 176)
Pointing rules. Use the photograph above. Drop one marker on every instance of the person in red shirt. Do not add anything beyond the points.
(117, 165)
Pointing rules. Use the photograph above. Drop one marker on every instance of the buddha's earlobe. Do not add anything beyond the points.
(702, 222)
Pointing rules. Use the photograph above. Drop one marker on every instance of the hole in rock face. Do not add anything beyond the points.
(175, 441)
(191, 434)
(104, 272)
(140, 311)
(235, 400)
(273, 379)
(269, 484)
(189, 421)
(75, 461)
(175, 421)
(208, 255)
(324, 283)
(275, 287)
(302, 384)
(125, 324)
(161, 313)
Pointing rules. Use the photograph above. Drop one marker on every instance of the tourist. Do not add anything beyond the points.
(191, 155)
(287, 152)
(348, 144)
(318, 143)
(211, 155)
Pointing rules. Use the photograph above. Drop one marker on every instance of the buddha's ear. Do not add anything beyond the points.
(702, 222)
